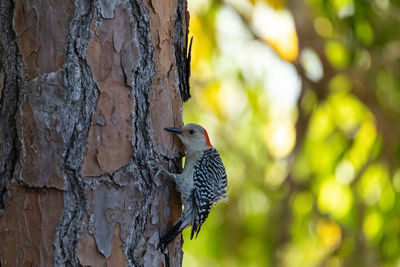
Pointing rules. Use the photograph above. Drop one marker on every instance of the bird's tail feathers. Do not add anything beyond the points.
(171, 234)
(195, 229)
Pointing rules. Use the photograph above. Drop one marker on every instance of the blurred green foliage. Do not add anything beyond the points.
(302, 99)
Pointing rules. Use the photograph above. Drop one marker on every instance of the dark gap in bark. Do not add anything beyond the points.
(11, 66)
(141, 125)
(180, 47)
(77, 80)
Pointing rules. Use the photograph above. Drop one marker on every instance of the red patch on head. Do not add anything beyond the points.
(208, 143)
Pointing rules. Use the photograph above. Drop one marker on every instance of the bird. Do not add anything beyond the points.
(202, 183)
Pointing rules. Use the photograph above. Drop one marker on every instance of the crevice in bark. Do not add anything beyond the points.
(81, 97)
(180, 47)
(142, 142)
(143, 81)
(9, 97)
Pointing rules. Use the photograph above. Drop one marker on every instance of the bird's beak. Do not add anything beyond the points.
(174, 130)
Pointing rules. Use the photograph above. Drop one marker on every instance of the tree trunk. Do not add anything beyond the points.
(86, 88)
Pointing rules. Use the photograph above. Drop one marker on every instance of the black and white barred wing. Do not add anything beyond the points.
(209, 184)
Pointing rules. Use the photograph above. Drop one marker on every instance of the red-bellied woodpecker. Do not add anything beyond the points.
(201, 184)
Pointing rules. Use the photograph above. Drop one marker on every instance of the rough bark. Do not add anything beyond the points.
(86, 89)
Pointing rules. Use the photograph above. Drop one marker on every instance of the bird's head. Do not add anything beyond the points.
(193, 136)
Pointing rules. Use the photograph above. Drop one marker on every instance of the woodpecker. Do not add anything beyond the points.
(201, 184)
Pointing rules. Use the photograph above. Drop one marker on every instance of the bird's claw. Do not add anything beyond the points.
(157, 165)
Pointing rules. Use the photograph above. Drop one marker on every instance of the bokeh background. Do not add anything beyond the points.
(302, 99)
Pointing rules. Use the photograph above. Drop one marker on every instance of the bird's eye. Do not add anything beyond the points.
(191, 131)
